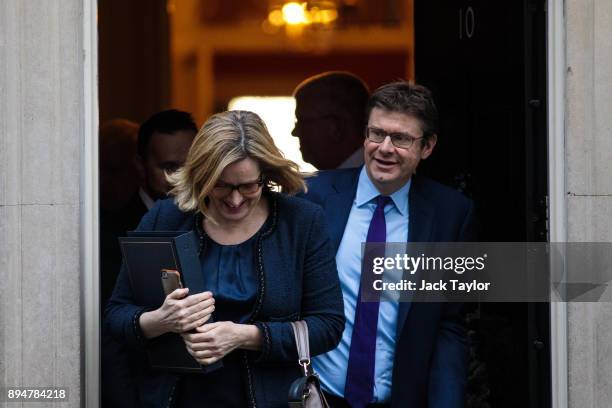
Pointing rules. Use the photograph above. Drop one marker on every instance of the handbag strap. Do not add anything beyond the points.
(300, 331)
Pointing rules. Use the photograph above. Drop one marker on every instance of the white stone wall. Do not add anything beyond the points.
(41, 139)
(589, 189)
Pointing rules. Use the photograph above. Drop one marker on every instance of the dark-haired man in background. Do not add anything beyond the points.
(163, 142)
(393, 354)
(161, 146)
(329, 111)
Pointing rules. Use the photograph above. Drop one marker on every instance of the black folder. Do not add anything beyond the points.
(145, 254)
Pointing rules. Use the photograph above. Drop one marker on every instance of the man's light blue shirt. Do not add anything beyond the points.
(332, 366)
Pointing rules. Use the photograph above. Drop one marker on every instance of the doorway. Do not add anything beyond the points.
(485, 63)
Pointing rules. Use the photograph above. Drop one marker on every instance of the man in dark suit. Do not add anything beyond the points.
(397, 354)
(133, 163)
(130, 156)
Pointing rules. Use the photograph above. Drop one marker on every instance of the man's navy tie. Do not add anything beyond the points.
(359, 388)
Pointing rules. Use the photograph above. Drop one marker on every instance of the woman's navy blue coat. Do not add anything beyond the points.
(297, 280)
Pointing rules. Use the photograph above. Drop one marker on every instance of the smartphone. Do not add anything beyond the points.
(171, 280)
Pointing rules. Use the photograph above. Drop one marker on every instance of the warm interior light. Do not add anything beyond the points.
(327, 16)
(278, 112)
(276, 18)
(295, 13)
(296, 17)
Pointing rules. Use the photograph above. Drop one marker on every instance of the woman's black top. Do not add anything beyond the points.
(229, 273)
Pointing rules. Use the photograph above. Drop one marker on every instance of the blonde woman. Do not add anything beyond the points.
(266, 260)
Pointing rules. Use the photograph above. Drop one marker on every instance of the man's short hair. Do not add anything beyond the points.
(168, 121)
(410, 99)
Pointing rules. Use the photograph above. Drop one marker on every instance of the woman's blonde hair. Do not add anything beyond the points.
(227, 138)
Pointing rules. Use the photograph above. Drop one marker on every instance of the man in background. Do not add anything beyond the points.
(133, 163)
(330, 119)
(163, 142)
(119, 179)
(120, 207)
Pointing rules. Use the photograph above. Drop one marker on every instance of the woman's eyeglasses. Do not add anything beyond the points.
(245, 189)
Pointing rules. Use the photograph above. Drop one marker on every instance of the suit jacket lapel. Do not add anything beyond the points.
(338, 205)
(421, 217)
(420, 229)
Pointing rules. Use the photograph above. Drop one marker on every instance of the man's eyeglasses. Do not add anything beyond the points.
(399, 139)
(245, 189)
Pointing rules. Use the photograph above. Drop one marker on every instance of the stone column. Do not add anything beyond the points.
(41, 150)
(589, 189)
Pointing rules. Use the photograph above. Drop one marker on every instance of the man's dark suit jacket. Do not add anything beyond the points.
(429, 369)
(115, 224)
(117, 373)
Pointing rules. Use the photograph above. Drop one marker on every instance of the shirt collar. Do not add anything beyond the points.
(366, 192)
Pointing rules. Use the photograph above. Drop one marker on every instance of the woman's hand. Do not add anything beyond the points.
(179, 313)
(211, 342)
